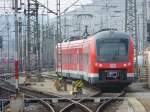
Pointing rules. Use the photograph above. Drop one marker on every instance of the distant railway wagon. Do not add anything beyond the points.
(104, 59)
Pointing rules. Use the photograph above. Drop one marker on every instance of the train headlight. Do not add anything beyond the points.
(129, 63)
(124, 65)
(96, 64)
(100, 65)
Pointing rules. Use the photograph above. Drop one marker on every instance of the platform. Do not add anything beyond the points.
(135, 105)
(146, 103)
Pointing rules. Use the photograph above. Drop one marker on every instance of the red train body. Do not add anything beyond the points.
(105, 58)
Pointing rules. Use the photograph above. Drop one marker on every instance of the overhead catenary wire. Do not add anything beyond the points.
(50, 11)
(70, 6)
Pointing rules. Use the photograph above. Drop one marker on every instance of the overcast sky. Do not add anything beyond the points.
(51, 5)
(64, 3)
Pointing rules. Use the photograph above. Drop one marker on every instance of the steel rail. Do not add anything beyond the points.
(47, 105)
(28, 91)
(37, 94)
(31, 93)
(101, 106)
(107, 101)
(74, 103)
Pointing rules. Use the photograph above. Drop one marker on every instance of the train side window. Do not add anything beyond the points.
(69, 58)
(59, 58)
(63, 58)
(87, 58)
(80, 58)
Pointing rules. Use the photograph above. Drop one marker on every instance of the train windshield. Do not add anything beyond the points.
(112, 50)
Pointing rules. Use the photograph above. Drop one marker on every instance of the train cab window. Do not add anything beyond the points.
(112, 50)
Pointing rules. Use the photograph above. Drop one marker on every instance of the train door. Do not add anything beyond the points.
(80, 59)
(86, 60)
(78, 67)
(68, 59)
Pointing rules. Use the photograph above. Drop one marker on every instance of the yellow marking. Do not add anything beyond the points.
(79, 83)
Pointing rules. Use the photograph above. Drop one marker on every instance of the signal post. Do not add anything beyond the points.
(18, 98)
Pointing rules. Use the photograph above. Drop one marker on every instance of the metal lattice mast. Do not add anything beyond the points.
(58, 20)
(131, 25)
(28, 37)
(37, 35)
(58, 33)
(144, 10)
(32, 35)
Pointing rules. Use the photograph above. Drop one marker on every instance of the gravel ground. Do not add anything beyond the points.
(35, 108)
(116, 107)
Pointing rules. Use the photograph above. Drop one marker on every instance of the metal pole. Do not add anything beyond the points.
(28, 39)
(54, 38)
(8, 43)
(1, 56)
(42, 40)
(126, 15)
(59, 35)
(38, 38)
(138, 31)
(24, 40)
(137, 46)
(8, 38)
(65, 25)
(48, 32)
(107, 14)
(20, 44)
(4, 5)
(144, 10)
(16, 42)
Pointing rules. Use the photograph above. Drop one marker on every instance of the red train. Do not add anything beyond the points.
(104, 59)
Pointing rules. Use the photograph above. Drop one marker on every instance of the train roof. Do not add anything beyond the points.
(102, 34)
(111, 34)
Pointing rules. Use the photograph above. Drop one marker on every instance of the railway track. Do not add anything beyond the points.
(27, 91)
(30, 94)
(85, 105)
(82, 104)
(73, 104)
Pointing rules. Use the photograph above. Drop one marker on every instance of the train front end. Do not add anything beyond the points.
(114, 59)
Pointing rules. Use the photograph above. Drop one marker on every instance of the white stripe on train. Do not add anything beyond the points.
(89, 74)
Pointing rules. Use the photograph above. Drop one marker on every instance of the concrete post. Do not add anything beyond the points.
(17, 103)
(65, 84)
